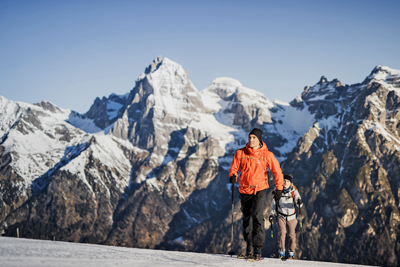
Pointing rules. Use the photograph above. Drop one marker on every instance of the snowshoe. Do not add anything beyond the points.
(291, 255)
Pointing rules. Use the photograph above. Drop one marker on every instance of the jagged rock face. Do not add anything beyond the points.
(164, 100)
(78, 201)
(149, 168)
(323, 99)
(33, 141)
(244, 109)
(106, 111)
(347, 169)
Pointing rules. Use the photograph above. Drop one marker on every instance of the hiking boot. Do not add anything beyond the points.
(281, 254)
(291, 255)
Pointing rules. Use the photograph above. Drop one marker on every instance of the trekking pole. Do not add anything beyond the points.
(272, 237)
(301, 224)
(277, 216)
(272, 228)
(233, 205)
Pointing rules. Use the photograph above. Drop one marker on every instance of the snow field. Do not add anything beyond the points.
(41, 253)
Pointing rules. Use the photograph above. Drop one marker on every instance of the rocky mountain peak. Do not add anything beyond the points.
(154, 65)
(383, 74)
(323, 80)
(163, 100)
(106, 111)
(321, 98)
(162, 89)
(337, 82)
(379, 69)
(46, 105)
(226, 82)
(167, 88)
(224, 86)
(324, 88)
(162, 68)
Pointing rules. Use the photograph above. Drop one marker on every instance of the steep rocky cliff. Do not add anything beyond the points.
(149, 168)
(347, 168)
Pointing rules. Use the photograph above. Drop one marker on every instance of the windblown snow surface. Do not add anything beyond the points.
(42, 253)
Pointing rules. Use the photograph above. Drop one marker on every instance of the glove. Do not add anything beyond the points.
(278, 195)
(232, 179)
(270, 218)
(299, 202)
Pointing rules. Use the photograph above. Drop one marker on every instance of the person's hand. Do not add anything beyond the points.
(270, 218)
(299, 202)
(232, 179)
(278, 195)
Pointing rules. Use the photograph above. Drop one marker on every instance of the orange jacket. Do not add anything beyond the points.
(253, 164)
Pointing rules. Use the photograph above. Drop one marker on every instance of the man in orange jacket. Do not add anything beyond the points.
(254, 160)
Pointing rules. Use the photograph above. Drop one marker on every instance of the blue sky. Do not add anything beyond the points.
(70, 52)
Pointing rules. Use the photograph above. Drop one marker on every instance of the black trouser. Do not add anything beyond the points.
(253, 207)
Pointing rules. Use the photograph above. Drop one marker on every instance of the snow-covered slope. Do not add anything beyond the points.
(42, 137)
(41, 253)
(36, 136)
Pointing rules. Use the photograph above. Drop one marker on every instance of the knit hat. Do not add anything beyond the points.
(257, 132)
(288, 177)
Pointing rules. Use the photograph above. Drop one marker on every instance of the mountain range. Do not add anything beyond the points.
(149, 169)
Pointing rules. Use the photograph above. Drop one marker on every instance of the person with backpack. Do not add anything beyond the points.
(285, 216)
(252, 163)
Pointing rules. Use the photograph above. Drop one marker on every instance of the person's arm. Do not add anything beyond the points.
(235, 165)
(297, 198)
(275, 168)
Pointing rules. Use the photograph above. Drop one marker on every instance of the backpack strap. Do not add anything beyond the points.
(286, 215)
(295, 189)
